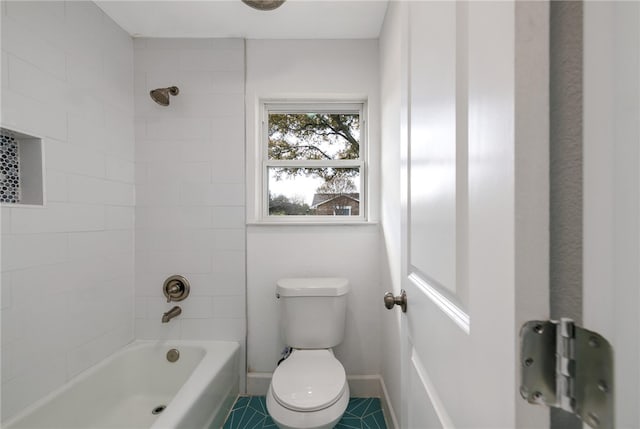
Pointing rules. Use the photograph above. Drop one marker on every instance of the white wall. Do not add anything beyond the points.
(67, 268)
(393, 76)
(314, 69)
(190, 187)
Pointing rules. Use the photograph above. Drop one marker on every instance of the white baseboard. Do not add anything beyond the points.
(389, 415)
(258, 383)
(365, 386)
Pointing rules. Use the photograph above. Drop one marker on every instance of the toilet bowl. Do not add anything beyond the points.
(309, 390)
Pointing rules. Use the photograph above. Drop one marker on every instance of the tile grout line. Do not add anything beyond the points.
(372, 412)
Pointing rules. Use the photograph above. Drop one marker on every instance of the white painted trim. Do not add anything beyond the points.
(372, 386)
(389, 414)
(258, 196)
(447, 306)
(436, 402)
(364, 386)
(349, 223)
(258, 383)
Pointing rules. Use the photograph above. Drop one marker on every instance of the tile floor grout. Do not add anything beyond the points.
(361, 413)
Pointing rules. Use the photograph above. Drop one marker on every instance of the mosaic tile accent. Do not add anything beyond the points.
(9, 168)
(250, 412)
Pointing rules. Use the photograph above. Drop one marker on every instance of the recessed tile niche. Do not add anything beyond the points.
(21, 176)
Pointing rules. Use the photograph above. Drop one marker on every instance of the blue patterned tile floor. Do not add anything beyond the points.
(250, 412)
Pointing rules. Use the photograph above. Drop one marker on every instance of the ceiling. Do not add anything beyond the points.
(295, 19)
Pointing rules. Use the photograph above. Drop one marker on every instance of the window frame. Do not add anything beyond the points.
(302, 106)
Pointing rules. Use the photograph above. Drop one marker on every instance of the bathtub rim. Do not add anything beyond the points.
(232, 349)
(197, 383)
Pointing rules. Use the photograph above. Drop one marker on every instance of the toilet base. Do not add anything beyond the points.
(326, 418)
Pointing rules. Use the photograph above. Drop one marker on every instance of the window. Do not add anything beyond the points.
(313, 162)
(342, 211)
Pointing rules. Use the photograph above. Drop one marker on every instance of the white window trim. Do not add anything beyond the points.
(321, 106)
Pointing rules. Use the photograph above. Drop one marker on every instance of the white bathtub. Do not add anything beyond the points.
(123, 390)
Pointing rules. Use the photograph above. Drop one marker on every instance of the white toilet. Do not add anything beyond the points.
(309, 389)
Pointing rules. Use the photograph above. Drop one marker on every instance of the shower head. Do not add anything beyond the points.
(264, 4)
(161, 95)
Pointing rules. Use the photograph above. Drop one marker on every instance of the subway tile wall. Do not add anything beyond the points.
(67, 268)
(190, 187)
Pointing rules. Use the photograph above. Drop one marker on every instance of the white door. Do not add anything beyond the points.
(475, 233)
(612, 192)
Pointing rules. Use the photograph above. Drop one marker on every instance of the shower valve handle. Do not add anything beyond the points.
(176, 288)
(172, 290)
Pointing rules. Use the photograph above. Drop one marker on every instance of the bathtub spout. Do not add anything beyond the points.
(175, 311)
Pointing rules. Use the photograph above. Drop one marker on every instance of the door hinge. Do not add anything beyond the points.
(568, 367)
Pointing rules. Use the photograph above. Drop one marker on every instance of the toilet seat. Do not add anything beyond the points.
(309, 380)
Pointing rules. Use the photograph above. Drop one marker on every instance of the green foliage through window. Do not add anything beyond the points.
(303, 156)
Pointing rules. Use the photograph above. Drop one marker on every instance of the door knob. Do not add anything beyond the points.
(401, 300)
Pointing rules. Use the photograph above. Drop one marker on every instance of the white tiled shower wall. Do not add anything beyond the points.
(190, 187)
(68, 267)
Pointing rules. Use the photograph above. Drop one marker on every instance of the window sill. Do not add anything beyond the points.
(313, 223)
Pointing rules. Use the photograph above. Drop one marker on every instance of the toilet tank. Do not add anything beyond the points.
(312, 311)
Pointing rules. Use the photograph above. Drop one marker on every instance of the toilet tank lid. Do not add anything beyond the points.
(318, 286)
